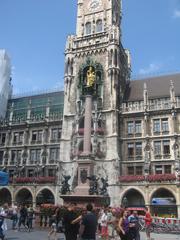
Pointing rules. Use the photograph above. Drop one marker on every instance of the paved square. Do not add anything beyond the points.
(42, 235)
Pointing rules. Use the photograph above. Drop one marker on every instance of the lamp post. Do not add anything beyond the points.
(125, 202)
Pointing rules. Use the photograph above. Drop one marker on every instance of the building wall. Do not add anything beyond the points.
(29, 143)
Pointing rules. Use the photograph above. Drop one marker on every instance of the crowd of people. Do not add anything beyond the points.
(103, 223)
(19, 215)
(79, 223)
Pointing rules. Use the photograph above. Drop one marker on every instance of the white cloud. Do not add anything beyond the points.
(152, 68)
(176, 13)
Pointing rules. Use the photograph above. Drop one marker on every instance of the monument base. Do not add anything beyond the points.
(83, 200)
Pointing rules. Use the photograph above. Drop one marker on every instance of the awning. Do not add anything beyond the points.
(136, 209)
(4, 178)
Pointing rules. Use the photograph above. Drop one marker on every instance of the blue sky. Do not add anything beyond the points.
(34, 34)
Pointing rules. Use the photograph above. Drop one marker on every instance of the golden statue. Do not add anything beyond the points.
(90, 77)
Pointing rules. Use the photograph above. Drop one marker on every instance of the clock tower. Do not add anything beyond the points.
(90, 11)
(97, 68)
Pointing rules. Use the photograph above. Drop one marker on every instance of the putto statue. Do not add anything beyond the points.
(93, 190)
(90, 77)
(65, 185)
(103, 189)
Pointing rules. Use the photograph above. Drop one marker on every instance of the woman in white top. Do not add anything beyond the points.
(4, 213)
(104, 225)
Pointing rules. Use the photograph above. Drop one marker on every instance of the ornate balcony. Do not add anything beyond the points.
(33, 180)
(149, 178)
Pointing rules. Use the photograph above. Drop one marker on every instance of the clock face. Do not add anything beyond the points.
(94, 4)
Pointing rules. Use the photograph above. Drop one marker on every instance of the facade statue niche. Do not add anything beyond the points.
(90, 79)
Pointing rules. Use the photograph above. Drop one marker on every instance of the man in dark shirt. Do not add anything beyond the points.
(134, 226)
(71, 230)
(88, 225)
(23, 217)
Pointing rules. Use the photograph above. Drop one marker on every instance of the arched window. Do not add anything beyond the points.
(72, 62)
(88, 28)
(111, 58)
(99, 26)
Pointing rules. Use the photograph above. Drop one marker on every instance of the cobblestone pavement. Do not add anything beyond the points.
(42, 235)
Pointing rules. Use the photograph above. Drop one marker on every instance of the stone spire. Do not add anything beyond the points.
(145, 95)
(172, 94)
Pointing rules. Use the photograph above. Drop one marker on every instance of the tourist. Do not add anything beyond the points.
(88, 225)
(14, 216)
(59, 219)
(4, 211)
(148, 221)
(79, 218)
(1, 228)
(112, 223)
(71, 230)
(123, 226)
(53, 228)
(22, 217)
(30, 216)
(101, 212)
(57, 215)
(134, 226)
(104, 225)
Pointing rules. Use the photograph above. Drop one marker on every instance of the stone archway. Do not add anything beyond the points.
(24, 196)
(45, 196)
(163, 203)
(5, 196)
(133, 198)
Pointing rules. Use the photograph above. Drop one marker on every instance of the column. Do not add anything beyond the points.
(87, 125)
(178, 201)
(178, 210)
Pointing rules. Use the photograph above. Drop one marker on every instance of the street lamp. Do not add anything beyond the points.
(125, 202)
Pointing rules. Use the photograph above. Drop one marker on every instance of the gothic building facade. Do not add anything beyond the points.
(134, 125)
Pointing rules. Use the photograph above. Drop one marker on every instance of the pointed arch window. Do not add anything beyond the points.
(99, 26)
(88, 28)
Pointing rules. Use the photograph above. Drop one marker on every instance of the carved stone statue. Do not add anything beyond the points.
(90, 77)
(93, 190)
(65, 185)
(103, 189)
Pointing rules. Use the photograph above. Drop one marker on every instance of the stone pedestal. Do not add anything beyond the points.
(85, 169)
(81, 196)
(83, 200)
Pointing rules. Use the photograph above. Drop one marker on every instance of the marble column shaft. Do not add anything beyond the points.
(87, 125)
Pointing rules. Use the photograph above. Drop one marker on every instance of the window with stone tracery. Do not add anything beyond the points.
(99, 26)
(88, 28)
